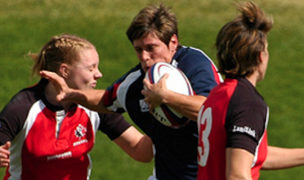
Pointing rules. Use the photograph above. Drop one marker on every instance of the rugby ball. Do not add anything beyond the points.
(177, 82)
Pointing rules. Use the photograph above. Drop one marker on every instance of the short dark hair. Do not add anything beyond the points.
(158, 19)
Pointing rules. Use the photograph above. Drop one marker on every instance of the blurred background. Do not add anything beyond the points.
(25, 25)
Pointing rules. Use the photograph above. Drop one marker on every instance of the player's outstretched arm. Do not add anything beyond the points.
(282, 158)
(91, 99)
(4, 154)
(62, 88)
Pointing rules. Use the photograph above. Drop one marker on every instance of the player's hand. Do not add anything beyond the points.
(4, 154)
(155, 94)
(61, 86)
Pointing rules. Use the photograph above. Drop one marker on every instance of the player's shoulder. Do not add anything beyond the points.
(245, 94)
(20, 104)
(133, 73)
(190, 56)
(136, 68)
(193, 51)
(25, 96)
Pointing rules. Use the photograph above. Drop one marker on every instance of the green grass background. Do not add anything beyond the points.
(25, 25)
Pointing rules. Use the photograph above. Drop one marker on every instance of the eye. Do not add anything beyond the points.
(138, 50)
(92, 68)
(150, 48)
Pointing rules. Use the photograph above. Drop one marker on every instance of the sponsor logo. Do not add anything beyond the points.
(245, 129)
(80, 142)
(60, 156)
(159, 117)
(174, 63)
(143, 106)
(80, 131)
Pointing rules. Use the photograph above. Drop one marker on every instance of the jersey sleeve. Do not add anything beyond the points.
(13, 116)
(246, 125)
(7, 126)
(200, 71)
(113, 125)
(115, 94)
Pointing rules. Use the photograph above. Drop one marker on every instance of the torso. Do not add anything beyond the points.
(176, 149)
(234, 110)
(48, 143)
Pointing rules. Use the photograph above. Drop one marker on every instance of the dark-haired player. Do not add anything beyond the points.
(154, 36)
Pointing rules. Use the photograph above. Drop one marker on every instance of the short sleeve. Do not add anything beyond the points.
(113, 125)
(246, 120)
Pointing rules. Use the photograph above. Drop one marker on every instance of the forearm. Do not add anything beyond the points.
(281, 158)
(144, 150)
(92, 99)
(136, 145)
(189, 106)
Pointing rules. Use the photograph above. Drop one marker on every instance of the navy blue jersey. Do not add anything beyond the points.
(175, 149)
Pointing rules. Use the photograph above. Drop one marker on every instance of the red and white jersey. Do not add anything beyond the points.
(235, 116)
(49, 143)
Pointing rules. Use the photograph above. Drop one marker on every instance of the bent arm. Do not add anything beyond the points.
(189, 106)
(282, 158)
(157, 94)
(136, 145)
(238, 164)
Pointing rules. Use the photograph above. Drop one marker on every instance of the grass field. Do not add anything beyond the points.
(27, 24)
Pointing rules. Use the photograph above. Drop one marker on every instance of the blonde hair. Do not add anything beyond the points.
(59, 49)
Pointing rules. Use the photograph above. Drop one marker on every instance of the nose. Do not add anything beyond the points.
(98, 74)
(145, 55)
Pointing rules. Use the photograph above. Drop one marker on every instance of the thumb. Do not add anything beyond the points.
(165, 76)
(7, 145)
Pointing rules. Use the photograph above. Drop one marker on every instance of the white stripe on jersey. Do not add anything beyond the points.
(15, 168)
(94, 118)
(262, 137)
(120, 102)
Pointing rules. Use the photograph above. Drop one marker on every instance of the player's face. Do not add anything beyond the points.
(83, 74)
(151, 49)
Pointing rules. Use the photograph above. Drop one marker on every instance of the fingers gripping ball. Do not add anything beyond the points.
(176, 82)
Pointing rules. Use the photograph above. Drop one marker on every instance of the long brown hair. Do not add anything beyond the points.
(241, 40)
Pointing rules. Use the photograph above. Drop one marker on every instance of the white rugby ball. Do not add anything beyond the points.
(177, 82)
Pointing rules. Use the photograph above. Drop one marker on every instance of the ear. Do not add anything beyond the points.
(174, 42)
(262, 56)
(64, 70)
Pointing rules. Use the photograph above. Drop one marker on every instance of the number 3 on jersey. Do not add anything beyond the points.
(204, 125)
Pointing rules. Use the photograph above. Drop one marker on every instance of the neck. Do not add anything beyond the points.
(254, 78)
(51, 94)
